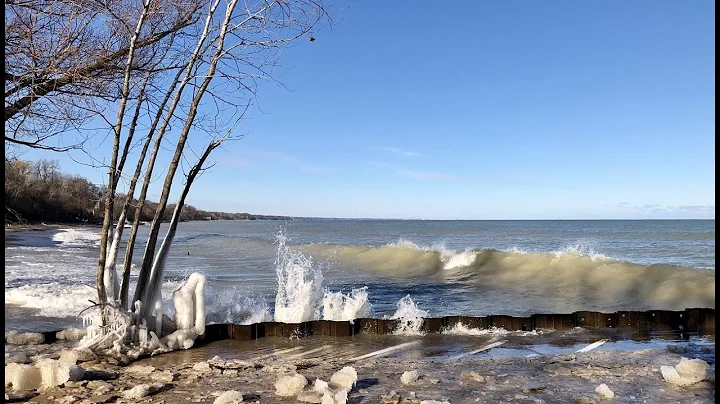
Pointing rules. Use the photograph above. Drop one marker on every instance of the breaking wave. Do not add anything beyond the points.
(77, 238)
(577, 274)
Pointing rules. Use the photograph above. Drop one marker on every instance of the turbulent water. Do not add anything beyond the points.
(341, 269)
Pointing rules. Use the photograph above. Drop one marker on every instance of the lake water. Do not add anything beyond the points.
(333, 268)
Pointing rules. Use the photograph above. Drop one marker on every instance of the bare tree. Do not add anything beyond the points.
(200, 78)
(64, 61)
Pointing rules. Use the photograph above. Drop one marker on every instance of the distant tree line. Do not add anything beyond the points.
(38, 192)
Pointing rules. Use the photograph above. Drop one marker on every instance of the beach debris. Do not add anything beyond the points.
(71, 334)
(592, 346)
(604, 391)
(409, 377)
(344, 379)
(685, 373)
(229, 397)
(470, 375)
(532, 386)
(385, 351)
(23, 338)
(290, 385)
(491, 344)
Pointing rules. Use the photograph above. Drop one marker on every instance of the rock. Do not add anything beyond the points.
(163, 377)
(22, 377)
(99, 385)
(685, 373)
(16, 357)
(583, 400)
(410, 376)
(532, 387)
(101, 399)
(604, 391)
(75, 385)
(100, 375)
(229, 397)
(73, 356)
(137, 392)
(71, 334)
(290, 386)
(390, 398)
(344, 379)
(140, 370)
(202, 367)
(472, 376)
(19, 396)
(220, 363)
(67, 400)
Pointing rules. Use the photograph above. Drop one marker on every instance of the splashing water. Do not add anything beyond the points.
(340, 307)
(300, 296)
(299, 286)
(410, 316)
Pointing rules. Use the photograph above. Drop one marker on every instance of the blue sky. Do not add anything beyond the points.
(482, 110)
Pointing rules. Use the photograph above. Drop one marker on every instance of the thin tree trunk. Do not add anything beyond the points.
(158, 269)
(113, 175)
(143, 278)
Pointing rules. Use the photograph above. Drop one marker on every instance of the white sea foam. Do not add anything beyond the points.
(463, 330)
(410, 317)
(77, 238)
(52, 300)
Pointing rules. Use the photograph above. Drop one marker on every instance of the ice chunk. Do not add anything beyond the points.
(229, 397)
(685, 373)
(604, 391)
(290, 386)
(22, 377)
(320, 386)
(410, 376)
(71, 334)
(23, 338)
(434, 402)
(55, 373)
(137, 392)
(344, 378)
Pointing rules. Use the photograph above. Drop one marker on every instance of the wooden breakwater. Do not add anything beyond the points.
(697, 320)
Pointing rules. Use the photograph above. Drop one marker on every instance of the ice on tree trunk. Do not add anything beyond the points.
(110, 277)
(189, 313)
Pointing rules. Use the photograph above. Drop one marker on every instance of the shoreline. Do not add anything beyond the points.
(197, 375)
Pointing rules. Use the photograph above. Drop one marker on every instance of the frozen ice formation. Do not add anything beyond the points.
(344, 379)
(409, 377)
(685, 373)
(290, 385)
(44, 374)
(604, 391)
(229, 397)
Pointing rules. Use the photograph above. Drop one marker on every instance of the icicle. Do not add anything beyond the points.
(158, 317)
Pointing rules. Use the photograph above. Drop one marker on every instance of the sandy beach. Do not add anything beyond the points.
(201, 374)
